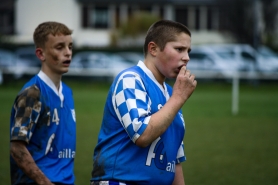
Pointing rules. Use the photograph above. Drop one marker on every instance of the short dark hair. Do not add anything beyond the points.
(46, 28)
(164, 31)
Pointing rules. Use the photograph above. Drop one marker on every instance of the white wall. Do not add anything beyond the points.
(30, 13)
(92, 37)
(210, 37)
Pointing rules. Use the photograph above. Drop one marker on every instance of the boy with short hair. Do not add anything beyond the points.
(141, 136)
(42, 125)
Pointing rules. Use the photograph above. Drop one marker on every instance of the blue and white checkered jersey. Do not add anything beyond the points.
(132, 99)
(44, 118)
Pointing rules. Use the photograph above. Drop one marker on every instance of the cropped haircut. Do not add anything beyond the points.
(42, 31)
(164, 31)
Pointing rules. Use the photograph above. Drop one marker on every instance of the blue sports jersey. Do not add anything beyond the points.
(45, 119)
(133, 97)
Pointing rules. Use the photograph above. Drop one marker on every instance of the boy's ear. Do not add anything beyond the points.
(153, 48)
(40, 54)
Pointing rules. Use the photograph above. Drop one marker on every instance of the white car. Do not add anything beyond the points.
(17, 64)
(28, 54)
(132, 57)
(243, 56)
(248, 59)
(7, 58)
(267, 60)
(204, 60)
(97, 64)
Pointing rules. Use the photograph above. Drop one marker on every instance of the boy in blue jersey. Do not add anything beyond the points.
(141, 137)
(42, 124)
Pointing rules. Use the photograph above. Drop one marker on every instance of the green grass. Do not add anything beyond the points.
(221, 148)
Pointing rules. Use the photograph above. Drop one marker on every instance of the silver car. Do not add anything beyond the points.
(97, 64)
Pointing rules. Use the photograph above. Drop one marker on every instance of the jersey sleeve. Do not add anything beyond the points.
(180, 156)
(26, 108)
(132, 104)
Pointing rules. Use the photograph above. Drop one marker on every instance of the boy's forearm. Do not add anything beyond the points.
(159, 122)
(179, 178)
(25, 161)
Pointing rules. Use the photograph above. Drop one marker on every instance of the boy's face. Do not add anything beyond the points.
(174, 56)
(57, 53)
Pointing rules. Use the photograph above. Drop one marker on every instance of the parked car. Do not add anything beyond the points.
(243, 56)
(28, 54)
(262, 60)
(7, 58)
(132, 57)
(26, 63)
(12, 64)
(97, 64)
(267, 60)
(204, 60)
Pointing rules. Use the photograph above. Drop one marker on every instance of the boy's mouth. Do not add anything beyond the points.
(66, 62)
(179, 68)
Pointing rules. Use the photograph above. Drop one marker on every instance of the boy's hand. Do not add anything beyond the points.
(185, 84)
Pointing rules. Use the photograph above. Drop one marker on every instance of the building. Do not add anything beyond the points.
(93, 20)
(7, 17)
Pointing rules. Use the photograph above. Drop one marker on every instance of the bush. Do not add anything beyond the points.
(132, 31)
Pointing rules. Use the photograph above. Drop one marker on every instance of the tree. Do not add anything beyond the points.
(248, 24)
(131, 32)
(236, 17)
(270, 13)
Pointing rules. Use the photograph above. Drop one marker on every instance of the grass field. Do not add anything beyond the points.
(221, 149)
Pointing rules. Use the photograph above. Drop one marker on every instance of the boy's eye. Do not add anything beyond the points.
(179, 49)
(59, 47)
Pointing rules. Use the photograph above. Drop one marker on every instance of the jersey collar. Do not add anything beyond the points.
(49, 82)
(150, 74)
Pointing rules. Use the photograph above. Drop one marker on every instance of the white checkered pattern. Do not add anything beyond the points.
(132, 104)
(108, 183)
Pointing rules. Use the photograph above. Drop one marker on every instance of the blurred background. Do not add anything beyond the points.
(232, 116)
(227, 36)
